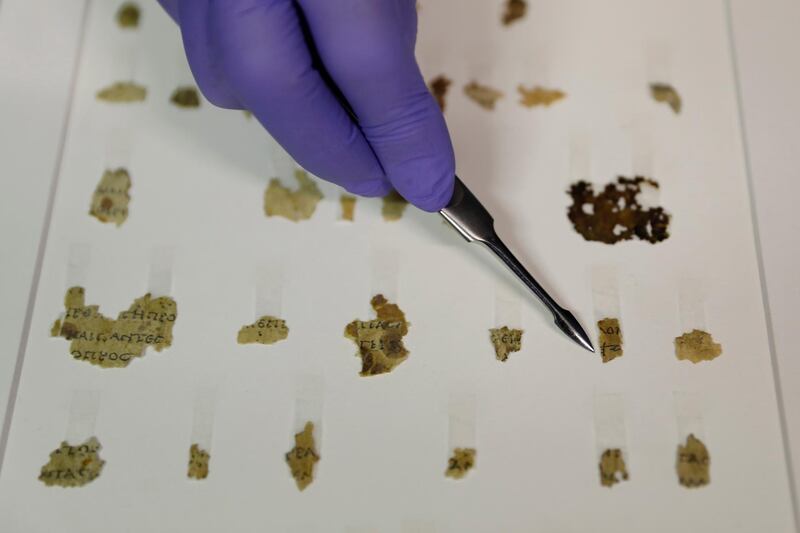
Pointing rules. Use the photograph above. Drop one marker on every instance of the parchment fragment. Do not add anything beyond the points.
(612, 468)
(610, 339)
(697, 346)
(616, 214)
(186, 97)
(694, 463)
(380, 341)
(113, 343)
(515, 10)
(73, 466)
(665, 93)
(303, 457)
(483, 95)
(198, 462)
(294, 205)
(266, 330)
(438, 87)
(505, 341)
(348, 204)
(460, 463)
(128, 15)
(110, 198)
(394, 206)
(539, 96)
(122, 92)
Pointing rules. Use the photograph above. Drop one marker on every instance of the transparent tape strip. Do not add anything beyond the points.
(308, 403)
(609, 423)
(78, 260)
(205, 403)
(83, 408)
(580, 156)
(159, 279)
(689, 415)
(507, 308)
(605, 293)
(461, 420)
(658, 62)
(691, 305)
(268, 289)
(119, 146)
(384, 269)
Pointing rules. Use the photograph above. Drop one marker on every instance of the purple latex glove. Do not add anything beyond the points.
(253, 54)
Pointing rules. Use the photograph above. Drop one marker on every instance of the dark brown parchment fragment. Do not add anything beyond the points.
(380, 341)
(505, 341)
(185, 97)
(128, 15)
(609, 339)
(73, 466)
(612, 468)
(615, 214)
(664, 93)
(198, 462)
(696, 346)
(515, 10)
(303, 457)
(438, 87)
(694, 463)
(461, 462)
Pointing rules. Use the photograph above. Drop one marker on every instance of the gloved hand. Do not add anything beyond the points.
(254, 55)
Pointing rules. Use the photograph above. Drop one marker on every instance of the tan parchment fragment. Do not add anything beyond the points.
(348, 204)
(123, 92)
(266, 330)
(505, 341)
(697, 346)
(609, 339)
(198, 462)
(665, 93)
(73, 466)
(128, 15)
(483, 95)
(113, 343)
(539, 96)
(380, 341)
(515, 10)
(303, 457)
(612, 467)
(461, 462)
(295, 205)
(186, 97)
(693, 463)
(439, 87)
(615, 214)
(394, 206)
(110, 198)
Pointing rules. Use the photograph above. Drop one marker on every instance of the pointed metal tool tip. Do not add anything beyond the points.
(567, 323)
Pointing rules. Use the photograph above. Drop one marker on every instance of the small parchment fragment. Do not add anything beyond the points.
(122, 92)
(265, 330)
(380, 341)
(348, 204)
(460, 463)
(303, 457)
(198, 462)
(515, 10)
(110, 198)
(609, 339)
(294, 205)
(693, 463)
(665, 93)
(73, 466)
(394, 206)
(616, 214)
(185, 97)
(128, 15)
(438, 87)
(505, 341)
(612, 468)
(483, 95)
(113, 343)
(697, 346)
(539, 96)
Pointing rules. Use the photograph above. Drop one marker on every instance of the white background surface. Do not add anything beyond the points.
(242, 372)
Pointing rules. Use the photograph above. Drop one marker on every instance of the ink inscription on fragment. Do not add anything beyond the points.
(697, 346)
(198, 462)
(266, 330)
(110, 198)
(380, 341)
(609, 339)
(461, 462)
(303, 457)
(694, 463)
(295, 205)
(73, 466)
(505, 341)
(612, 467)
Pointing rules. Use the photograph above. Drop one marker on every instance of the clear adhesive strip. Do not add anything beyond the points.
(461, 432)
(268, 290)
(159, 280)
(580, 156)
(205, 402)
(118, 147)
(283, 166)
(507, 308)
(384, 273)
(658, 62)
(83, 408)
(691, 305)
(78, 260)
(308, 404)
(689, 414)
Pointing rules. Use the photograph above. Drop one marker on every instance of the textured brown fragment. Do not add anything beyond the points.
(265, 330)
(394, 206)
(379, 341)
(122, 92)
(186, 97)
(609, 339)
(128, 15)
(73, 466)
(697, 346)
(505, 341)
(198, 462)
(664, 93)
(295, 205)
(615, 214)
(110, 198)
(483, 95)
(515, 10)
(438, 87)
(612, 468)
(111, 343)
(693, 463)
(460, 463)
(303, 457)
(539, 96)
(348, 204)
